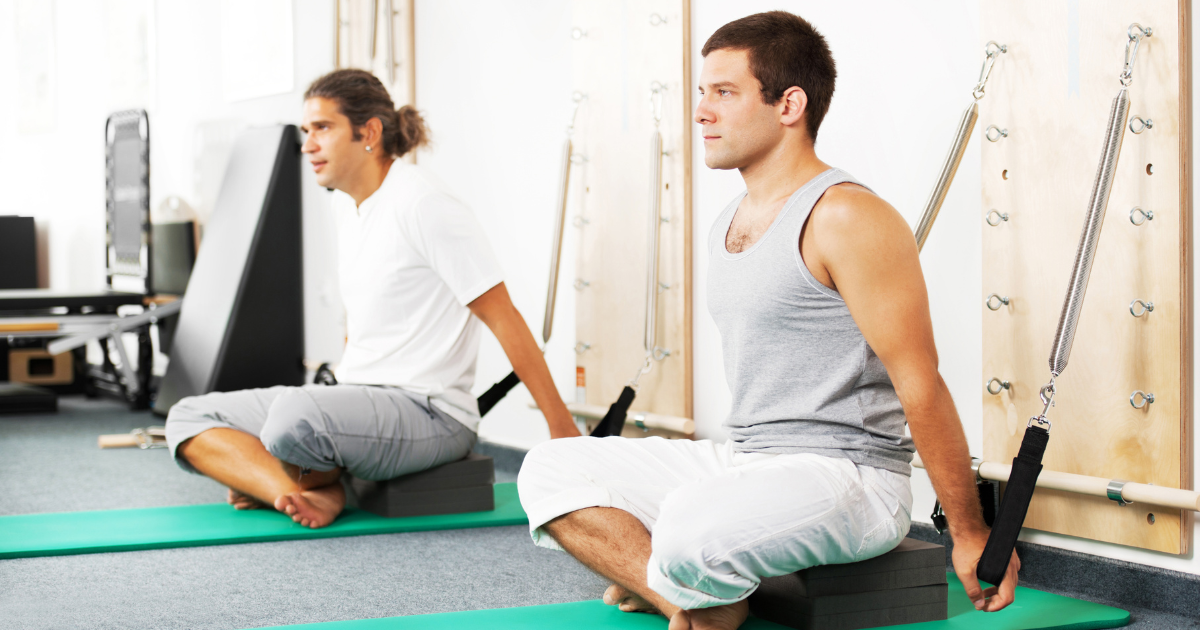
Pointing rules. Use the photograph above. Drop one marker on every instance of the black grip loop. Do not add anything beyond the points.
(614, 421)
(1027, 465)
(497, 392)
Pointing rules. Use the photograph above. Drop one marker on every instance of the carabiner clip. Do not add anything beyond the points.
(1136, 33)
(992, 50)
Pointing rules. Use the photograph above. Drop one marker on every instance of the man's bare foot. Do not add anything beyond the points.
(244, 501)
(627, 600)
(728, 617)
(313, 508)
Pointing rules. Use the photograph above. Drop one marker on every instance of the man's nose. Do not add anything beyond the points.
(309, 146)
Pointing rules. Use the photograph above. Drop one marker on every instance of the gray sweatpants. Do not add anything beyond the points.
(375, 433)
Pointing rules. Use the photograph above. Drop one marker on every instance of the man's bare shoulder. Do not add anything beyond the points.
(848, 215)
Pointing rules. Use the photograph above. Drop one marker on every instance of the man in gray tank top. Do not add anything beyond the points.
(816, 288)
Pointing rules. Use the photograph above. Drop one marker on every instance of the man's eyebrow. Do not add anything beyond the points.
(720, 85)
(314, 123)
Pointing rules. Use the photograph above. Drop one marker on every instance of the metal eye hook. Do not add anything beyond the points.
(995, 301)
(1136, 33)
(656, 100)
(1146, 307)
(1137, 124)
(992, 50)
(581, 347)
(1137, 216)
(1000, 386)
(995, 137)
(1146, 399)
(999, 217)
(578, 98)
(657, 20)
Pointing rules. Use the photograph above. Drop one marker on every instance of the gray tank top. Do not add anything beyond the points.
(803, 378)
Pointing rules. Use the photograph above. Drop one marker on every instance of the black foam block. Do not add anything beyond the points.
(904, 585)
(461, 486)
(869, 609)
(22, 398)
(911, 563)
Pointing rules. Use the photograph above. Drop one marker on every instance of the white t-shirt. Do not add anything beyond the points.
(410, 259)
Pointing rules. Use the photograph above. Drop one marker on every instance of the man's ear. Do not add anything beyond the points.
(795, 103)
(372, 131)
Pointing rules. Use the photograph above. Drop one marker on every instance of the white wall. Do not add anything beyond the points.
(494, 84)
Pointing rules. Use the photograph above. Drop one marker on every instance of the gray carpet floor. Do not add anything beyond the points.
(50, 463)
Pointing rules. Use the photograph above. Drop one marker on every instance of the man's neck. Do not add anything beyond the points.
(371, 178)
(781, 172)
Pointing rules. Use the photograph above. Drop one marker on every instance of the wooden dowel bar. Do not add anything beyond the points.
(1095, 486)
(663, 422)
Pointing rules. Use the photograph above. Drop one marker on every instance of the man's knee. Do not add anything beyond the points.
(293, 423)
(693, 551)
(547, 468)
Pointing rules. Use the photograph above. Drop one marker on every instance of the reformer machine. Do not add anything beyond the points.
(71, 319)
(1028, 463)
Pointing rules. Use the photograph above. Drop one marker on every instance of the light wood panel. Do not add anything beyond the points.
(1053, 91)
(353, 44)
(619, 50)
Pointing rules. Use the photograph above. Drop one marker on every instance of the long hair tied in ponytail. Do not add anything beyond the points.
(410, 134)
(361, 97)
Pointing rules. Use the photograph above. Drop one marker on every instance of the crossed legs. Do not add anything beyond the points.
(689, 529)
(255, 477)
(615, 544)
(256, 442)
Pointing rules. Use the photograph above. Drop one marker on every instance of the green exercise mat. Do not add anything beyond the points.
(1033, 610)
(67, 533)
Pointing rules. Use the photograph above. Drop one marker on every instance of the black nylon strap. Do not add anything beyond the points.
(1027, 465)
(496, 392)
(614, 421)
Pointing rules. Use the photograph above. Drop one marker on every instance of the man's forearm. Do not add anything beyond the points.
(938, 435)
(530, 366)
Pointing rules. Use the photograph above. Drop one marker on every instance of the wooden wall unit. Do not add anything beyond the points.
(619, 51)
(1052, 92)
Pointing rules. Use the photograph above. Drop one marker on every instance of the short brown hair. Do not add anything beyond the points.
(361, 96)
(785, 51)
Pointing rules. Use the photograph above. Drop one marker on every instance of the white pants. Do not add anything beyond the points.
(720, 521)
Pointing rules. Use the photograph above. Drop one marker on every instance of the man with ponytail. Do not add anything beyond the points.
(418, 277)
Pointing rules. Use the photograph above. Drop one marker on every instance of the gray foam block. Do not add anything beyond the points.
(452, 501)
(461, 486)
(805, 586)
(852, 611)
(909, 554)
(874, 618)
(912, 563)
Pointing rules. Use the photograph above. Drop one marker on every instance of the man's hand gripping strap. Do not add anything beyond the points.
(1027, 465)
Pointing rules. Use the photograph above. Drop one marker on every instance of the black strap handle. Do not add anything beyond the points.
(614, 421)
(1027, 465)
(496, 392)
